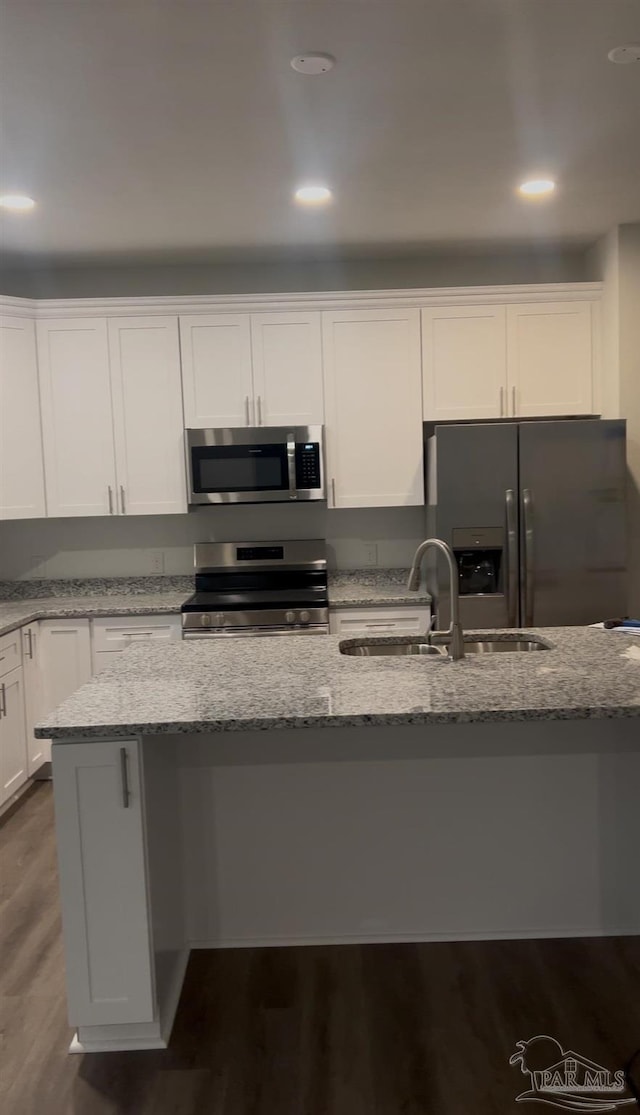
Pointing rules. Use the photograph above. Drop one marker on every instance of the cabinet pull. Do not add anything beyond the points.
(29, 638)
(122, 500)
(110, 500)
(246, 411)
(333, 491)
(3, 699)
(125, 777)
(513, 401)
(259, 410)
(502, 402)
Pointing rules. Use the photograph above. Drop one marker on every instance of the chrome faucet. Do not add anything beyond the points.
(454, 635)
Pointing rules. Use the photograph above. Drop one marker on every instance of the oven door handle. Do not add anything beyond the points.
(291, 465)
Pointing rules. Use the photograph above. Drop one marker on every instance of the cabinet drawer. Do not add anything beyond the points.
(357, 622)
(10, 652)
(118, 633)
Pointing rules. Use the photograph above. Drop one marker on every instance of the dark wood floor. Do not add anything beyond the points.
(376, 1030)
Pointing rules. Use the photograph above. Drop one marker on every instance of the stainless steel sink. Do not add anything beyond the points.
(493, 646)
(366, 648)
(363, 648)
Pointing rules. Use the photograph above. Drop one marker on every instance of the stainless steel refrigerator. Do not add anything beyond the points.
(535, 514)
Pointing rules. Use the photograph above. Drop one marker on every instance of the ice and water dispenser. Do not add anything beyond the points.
(479, 556)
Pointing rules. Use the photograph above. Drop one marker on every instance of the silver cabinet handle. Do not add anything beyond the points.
(246, 411)
(110, 500)
(29, 641)
(513, 401)
(124, 777)
(3, 699)
(259, 410)
(512, 560)
(502, 402)
(529, 557)
(333, 491)
(122, 500)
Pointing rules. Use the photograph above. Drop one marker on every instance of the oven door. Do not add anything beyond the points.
(244, 465)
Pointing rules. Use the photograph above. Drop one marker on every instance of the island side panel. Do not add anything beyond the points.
(534, 835)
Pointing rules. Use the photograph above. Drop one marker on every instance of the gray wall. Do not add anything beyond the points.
(39, 278)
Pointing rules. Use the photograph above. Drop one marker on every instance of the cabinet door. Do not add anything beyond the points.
(550, 359)
(287, 369)
(110, 636)
(147, 411)
(21, 467)
(216, 370)
(38, 750)
(103, 885)
(64, 659)
(77, 424)
(373, 396)
(464, 362)
(13, 738)
(360, 622)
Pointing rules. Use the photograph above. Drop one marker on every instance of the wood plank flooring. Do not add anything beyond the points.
(375, 1030)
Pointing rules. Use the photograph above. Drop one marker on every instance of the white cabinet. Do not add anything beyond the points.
(103, 882)
(252, 369)
(216, 370)
(550, 358)
(373, 398)
(356, 623)
(38, 750)
(13, 739)
(110, 636)
(287, 369)
(147, 410)
(464, 360)
(64, 659)
(21, 465)
(77, 424)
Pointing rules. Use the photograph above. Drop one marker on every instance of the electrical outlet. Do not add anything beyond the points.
(156, 561)
(371, 553)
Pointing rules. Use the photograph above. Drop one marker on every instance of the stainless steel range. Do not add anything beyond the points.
(258, 588)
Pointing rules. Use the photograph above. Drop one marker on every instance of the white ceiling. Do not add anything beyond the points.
(146, 126)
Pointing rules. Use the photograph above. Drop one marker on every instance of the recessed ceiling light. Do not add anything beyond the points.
(16, 202)
(625, 54)
(537, 187)
(313, 63)
(313, 195)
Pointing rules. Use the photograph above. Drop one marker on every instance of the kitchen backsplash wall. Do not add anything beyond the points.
(139, 545)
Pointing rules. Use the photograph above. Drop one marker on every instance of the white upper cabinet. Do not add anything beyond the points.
(287, 369)
(77, 424)
(147, 410)
(373, 397)
(464, 360)
(550, 358)
(216, 370)
(21, 466)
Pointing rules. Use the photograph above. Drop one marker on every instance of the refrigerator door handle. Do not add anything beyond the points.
(529, 586)
(512, 557)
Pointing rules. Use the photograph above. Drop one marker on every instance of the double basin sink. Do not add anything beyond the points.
(482, 644)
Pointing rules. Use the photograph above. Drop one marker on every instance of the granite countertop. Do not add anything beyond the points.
(298, 682)
(24, 602)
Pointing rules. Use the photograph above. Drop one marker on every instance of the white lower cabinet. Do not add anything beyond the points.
(357, 623)
(64, 660)
(103, 882)
(112, 635)
(13, 737)
(38, 750)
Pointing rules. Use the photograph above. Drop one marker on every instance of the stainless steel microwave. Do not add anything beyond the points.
(266, 464)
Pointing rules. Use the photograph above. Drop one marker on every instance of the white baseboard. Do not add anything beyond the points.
(117, 1045)
(169, 1007)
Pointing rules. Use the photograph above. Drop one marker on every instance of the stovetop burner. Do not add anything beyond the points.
(258, 588)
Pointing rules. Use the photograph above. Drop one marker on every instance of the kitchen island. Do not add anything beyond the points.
(277, 791)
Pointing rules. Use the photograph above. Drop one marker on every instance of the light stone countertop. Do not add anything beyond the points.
(164, 596)
(298, 682)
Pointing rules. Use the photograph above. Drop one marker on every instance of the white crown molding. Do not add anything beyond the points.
(308, 301)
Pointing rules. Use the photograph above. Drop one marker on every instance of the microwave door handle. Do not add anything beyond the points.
(291, 465)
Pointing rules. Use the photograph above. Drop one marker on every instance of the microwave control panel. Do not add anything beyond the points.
(308, 465)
